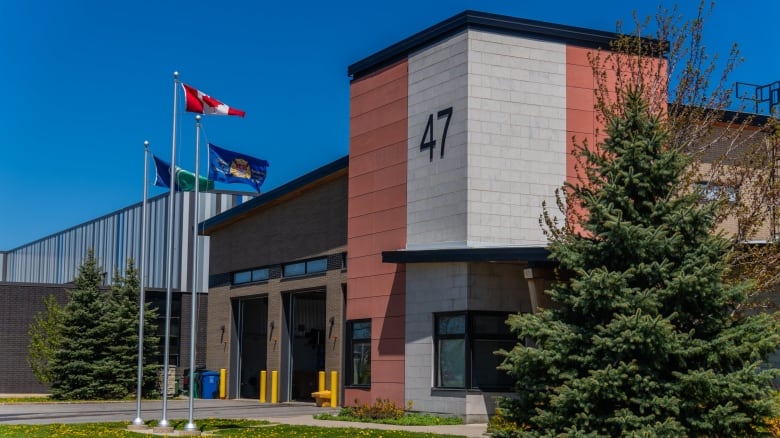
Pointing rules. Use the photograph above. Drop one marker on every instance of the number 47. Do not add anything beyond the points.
(427, 141)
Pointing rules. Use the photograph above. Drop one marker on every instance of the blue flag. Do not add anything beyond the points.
(185, 181)
(233, 167)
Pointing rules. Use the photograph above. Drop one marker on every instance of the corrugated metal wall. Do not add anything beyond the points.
(116, 238)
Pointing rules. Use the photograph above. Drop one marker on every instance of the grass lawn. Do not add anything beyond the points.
(408, 419)
(14, 400)
(215, 427)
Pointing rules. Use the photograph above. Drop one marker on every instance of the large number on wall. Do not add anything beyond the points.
(428, 142)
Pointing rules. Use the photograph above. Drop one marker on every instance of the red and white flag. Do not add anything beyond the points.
(200, 102)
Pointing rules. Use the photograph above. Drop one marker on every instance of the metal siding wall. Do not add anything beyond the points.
(3, 266)
(115, 238)
(186, 236)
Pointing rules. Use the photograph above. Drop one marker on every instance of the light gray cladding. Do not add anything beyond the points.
(505, 150)
(116, 238)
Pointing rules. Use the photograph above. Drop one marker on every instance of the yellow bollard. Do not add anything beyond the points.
(321, 381)
(222, 383)
(263, 376)
(274, 386)
(334, 388)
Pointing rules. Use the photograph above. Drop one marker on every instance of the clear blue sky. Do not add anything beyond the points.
(86, 82)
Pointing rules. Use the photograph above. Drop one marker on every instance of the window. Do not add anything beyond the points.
(250, 276)
(294, 269)
(157, 301)
(465, 346)
(451, 351)
(304, 268)
(242, 277)
(318, 265)
(712, 192)
(358, 353)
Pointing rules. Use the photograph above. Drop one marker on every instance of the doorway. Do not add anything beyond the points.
(305, 320)
(251, 319)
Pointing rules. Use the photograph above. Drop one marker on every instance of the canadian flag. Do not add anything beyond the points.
(200, 102)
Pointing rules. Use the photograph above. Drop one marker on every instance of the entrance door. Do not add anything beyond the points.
(305, 314)
(252, 323)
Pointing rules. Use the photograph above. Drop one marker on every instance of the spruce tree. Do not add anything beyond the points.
(642, 338)
(82, 340)
(118, 368)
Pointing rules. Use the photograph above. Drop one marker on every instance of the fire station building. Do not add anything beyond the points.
(397, 265)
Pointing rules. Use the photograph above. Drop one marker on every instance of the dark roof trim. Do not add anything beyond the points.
(480, 20)
(504, 254)
(727, 116)
(234, 213)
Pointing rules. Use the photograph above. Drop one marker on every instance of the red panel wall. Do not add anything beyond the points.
(580, 115)
(376, 223)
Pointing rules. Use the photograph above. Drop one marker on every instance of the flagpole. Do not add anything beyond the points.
(141, 299)
(190, 426)
(164, 423)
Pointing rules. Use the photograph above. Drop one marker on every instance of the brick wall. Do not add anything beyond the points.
(20, 303)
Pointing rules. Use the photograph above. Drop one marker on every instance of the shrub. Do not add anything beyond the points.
(379, 410)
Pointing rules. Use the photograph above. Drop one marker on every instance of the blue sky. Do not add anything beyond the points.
(86, 82)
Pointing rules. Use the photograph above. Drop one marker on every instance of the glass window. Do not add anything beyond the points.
(465, 346)
(157, 300)
(319, 265)
(242, 277)
(712, 192)
(293, 269)
(260, 274)
(451, 351)
(307, 267)
(359, 351)
(452, 366)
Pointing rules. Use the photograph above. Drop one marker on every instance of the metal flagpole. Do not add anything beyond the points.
(190, 426)
(141, 299)
(164, 423)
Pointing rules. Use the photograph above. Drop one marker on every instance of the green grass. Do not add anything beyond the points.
(16, 400)
(215, 427)
(409, 419)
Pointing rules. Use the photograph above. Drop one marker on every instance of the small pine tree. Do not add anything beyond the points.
(83, 336)
(118, 369)
(642, 339)
(45, 334)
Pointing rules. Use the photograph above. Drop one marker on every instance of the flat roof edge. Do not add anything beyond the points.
(334, 166)
(475, 19)
(500, 254)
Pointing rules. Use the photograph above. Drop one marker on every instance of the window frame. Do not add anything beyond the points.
(470, 337)
(254, 274)
(350, 349)
(307, 267)
(710, 191)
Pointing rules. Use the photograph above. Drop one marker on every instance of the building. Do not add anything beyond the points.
(277, 286)
(47, 266)
(397, 265)
(458, 134)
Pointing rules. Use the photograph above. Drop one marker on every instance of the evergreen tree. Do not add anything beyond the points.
(642, 339)
(83, 337)
(118, 369)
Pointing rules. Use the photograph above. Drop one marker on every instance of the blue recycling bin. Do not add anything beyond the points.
(209, 384)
